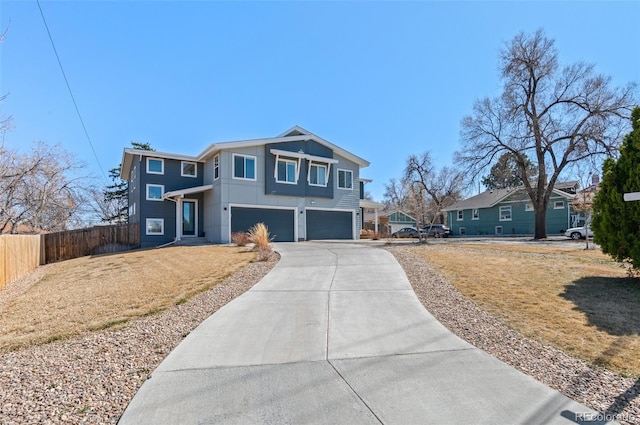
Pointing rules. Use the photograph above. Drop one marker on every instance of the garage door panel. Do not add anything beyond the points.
(329, 224)
(279, 222)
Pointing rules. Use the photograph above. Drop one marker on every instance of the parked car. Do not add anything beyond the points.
(437, 230)
(576, 233)
(406, 232)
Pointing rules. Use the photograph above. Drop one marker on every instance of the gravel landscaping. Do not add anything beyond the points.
(91, 379)
(602, 390)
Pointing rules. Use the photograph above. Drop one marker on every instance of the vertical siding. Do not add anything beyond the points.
(227, 190)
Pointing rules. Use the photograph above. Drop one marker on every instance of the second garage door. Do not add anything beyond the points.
(279, 222)
(329, 225)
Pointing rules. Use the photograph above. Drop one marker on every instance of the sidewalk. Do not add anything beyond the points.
(334, 334)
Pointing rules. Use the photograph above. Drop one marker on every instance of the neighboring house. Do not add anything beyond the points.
(583, 203)
(300, 185)
(510, 212)
(393, 220)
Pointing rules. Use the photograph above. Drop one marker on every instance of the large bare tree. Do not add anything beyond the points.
(40, 190)
(552, 115)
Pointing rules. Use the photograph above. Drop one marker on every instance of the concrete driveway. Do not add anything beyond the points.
(335, 335)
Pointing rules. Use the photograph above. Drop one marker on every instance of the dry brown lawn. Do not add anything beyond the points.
(575, 299)
(92, 293)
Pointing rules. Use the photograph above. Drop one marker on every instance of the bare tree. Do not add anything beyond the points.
(553, 116)
(433, 189)
(395, 194)
(39, 190)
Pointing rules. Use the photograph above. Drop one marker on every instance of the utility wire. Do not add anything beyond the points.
(73, 99)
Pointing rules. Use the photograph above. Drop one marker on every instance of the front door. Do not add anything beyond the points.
(189, 223)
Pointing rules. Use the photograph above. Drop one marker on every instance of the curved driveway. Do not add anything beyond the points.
(335, 335)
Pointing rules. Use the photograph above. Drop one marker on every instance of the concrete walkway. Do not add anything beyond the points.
(334, 334)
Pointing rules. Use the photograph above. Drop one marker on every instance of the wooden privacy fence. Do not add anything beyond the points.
(19, 254)
(61, 246)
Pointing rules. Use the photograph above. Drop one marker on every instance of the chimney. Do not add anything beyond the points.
(595, 179)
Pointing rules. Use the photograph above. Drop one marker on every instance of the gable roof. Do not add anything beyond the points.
(489, 198)
(294, 134)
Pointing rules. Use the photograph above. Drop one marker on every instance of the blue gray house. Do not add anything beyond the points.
(510, 212)
(300, 185)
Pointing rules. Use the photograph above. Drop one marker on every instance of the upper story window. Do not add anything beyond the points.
(460, 215)
(317, 175)
(558, 205)
(216, 167)
(345, 179)
(189, 169)
(244, 167)
(528, 206)
(475, 214)
(155, 166)
(155, 192)
(505, 213)
(286, 171)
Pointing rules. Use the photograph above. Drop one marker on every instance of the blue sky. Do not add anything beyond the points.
(381, 79)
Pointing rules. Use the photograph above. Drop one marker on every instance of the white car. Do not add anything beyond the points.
(576, 233)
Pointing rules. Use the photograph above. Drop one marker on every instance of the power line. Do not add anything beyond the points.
(73, 99)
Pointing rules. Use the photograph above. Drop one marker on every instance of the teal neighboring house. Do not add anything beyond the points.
(509, 211)
(399, 219)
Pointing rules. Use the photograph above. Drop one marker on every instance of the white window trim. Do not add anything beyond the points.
(345, 171)
(216, 166)
(255, 167)
(154, 233)
(501, 230)
(161, 186)
(295, 163)
(326, 173)
(556, 207)
(155, 172)
(463, 230)
(180, 224)
(460, 215)
(195, 166)
(475, 214)
(528, 207)
(510, 213)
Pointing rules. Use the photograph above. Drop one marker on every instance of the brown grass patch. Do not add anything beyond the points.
(575, 299)
(107, 291)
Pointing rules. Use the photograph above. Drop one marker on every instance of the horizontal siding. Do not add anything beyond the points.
(522, 222)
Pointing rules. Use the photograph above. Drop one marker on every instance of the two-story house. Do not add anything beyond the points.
(298, 184)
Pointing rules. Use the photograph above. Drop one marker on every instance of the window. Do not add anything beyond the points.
(154, 192)
(155, 166)
(244, 167)
(287, 171)
(498, 230)
(460, 215)
(216, 167)
(463, 231)
(345, 179)
(558, 205)
(528, 207)
(155, 226)
(475, 214)
(505, 213)
(317, 175)
(189, 169)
